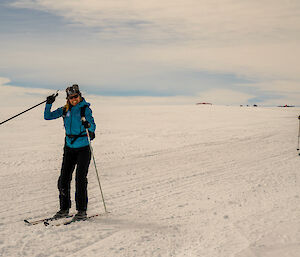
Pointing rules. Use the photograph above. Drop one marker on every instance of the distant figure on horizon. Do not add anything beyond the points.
(204, 103)
(76, 150)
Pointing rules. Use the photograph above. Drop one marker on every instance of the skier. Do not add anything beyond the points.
(76, 150)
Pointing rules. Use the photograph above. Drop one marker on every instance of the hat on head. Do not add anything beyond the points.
(74, 89)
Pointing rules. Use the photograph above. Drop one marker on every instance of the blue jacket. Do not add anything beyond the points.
(72, 122)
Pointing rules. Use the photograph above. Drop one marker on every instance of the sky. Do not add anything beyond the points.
(228, 52)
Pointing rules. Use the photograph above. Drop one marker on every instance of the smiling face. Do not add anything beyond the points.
(74, 99)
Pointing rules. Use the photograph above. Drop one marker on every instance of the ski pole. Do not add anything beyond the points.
(56, 94)
(298, 134)
(89, 139)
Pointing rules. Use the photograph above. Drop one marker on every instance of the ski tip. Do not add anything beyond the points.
(46, 223)
(28, 223)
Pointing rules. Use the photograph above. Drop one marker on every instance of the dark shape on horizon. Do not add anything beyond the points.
(203, 103)
(255, 105)
(286, 105)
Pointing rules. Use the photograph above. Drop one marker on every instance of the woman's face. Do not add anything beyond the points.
(74, 99)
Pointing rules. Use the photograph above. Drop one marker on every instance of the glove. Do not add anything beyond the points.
(299, 117)
(92, 135)
(86, 124)
(50, 99)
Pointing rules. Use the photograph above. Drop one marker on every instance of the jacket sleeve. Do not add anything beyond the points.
(48, 115)
(90, 119)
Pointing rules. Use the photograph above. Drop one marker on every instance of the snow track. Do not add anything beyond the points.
(178, 181)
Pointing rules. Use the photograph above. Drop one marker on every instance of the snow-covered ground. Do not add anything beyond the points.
(178, 181)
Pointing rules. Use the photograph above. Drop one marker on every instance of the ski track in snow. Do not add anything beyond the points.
(178, 181)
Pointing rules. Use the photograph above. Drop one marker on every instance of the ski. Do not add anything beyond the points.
(35, 222)
(47, 223)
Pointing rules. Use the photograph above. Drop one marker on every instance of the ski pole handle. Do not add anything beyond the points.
(298, 134)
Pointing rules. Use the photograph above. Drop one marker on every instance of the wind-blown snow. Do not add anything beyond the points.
(178, 181)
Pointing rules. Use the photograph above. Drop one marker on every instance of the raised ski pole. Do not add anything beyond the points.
(298, 134)
(91, 148)
(56, 94)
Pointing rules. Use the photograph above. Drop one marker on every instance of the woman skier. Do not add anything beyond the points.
(76, 150)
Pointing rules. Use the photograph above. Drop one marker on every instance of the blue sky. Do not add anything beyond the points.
(225, 52)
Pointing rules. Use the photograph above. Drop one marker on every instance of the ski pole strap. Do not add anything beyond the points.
(75, 137)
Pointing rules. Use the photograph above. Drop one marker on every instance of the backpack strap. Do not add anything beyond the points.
(82, 111)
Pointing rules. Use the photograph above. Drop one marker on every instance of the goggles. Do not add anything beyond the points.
(73, 96)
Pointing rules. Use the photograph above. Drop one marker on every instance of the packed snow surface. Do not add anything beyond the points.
(178, 181)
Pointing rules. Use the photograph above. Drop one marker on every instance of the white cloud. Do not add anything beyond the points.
(286, 92)
(213, 21)
(12, 96)
(140, 100)
(280, 86)
(261, 33)
(224, 97)
(23, 98)
(4, 81)
(8, 89)
(256, 40)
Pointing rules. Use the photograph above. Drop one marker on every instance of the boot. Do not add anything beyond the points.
(61, 214)
(80, 215)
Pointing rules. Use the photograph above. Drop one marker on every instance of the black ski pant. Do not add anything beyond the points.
(79, 157)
